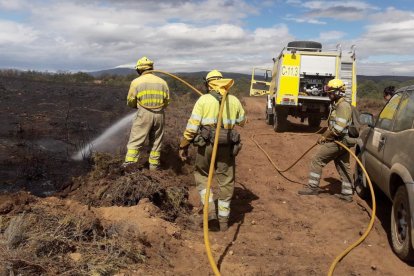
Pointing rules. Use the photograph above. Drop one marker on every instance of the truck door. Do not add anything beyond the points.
(260, 83)
(288, 86)
(398, 147)
(377, 139)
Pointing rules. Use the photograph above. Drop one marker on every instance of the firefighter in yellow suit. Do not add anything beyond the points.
(150, 95)
(338, 122)
(200, 131)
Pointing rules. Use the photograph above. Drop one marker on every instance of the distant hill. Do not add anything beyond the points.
(201, 74)
(128, 71)
(361, 78)
(113, 71)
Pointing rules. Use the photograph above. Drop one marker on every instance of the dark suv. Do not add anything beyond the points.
(387, 151)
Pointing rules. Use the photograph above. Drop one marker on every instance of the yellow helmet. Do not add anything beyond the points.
(144, 63)
(335, 85)
(213, 75)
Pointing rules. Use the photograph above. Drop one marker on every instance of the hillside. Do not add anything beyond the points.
(368, 86)
(129, 71)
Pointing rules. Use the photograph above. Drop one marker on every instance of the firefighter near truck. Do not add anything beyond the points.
(298, 79)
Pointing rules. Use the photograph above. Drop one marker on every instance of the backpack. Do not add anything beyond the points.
(355, 126)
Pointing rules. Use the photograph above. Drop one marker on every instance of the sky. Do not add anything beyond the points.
(189, 36)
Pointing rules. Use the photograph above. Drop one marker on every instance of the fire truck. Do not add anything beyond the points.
(297, 84)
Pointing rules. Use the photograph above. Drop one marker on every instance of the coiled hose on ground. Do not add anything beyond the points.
(211, 172)
(374, 205)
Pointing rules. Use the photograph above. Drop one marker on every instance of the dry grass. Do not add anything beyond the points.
(108, 185)
(371, 105)
(15, 231)
(55, 241)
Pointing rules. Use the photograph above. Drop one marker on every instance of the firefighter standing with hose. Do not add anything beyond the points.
(200, 132)
(150, 95)
(338, 122)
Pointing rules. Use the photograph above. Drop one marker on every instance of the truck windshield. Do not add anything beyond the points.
(262, 75)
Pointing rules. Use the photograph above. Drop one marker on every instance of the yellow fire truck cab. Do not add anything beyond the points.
(299, 76)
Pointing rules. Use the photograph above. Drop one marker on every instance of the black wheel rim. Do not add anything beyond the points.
(401, 222)
(359, 181)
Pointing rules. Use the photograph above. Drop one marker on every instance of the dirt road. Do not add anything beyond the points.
(276, 232)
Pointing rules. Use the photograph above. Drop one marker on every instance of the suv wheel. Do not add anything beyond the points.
(360, 181)
(401, 225)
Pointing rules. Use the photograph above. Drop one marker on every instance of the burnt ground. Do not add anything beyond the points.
(42, 123)
(59, 216)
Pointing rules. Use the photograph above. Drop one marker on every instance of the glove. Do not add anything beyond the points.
(184, 143)
(327, 136)
(183, 151)
(321, 140)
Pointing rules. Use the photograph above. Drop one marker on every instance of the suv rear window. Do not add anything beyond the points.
(405, 115)
(387, 114)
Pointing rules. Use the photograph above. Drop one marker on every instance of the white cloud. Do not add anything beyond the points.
(391, 14)
(342, 10)
(12, 5)
(384, 48)
(14, 34)
(405, 68)
(293, 2)
(394, 35)
(91, 35)
(327, 5)
(183, 35)
(306, 20)
(331, 35)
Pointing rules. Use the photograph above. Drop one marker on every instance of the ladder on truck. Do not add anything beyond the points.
(347, 74)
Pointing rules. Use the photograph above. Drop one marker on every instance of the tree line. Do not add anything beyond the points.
(368, 87)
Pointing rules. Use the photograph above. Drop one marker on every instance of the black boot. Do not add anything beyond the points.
(224, 223)
(309, 191)
(346, 198)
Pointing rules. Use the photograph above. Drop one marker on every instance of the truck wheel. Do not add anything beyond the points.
(269, 118)
(401, 225)
(314, 121)
(304, 44)
(279, 122)
(360, 181)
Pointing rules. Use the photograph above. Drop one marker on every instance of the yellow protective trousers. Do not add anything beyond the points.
(147, 124)
(224, 171)
(326, 153)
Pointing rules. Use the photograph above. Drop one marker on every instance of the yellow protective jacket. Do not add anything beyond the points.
(340, 118)
(206, 110)
(148, 91)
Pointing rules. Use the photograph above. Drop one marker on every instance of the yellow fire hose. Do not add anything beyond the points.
(210, 178)
(270, 159)
(374, 205)
(371, 222)
(210, 174)
(177, 78)
(207, 195)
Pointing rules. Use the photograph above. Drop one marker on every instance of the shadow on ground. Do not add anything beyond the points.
(240, 206)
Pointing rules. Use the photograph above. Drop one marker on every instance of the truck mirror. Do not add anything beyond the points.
(366, 118)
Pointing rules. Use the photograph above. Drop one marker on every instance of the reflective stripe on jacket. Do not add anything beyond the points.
(205, 113)
(340, 118)
(148, 91)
